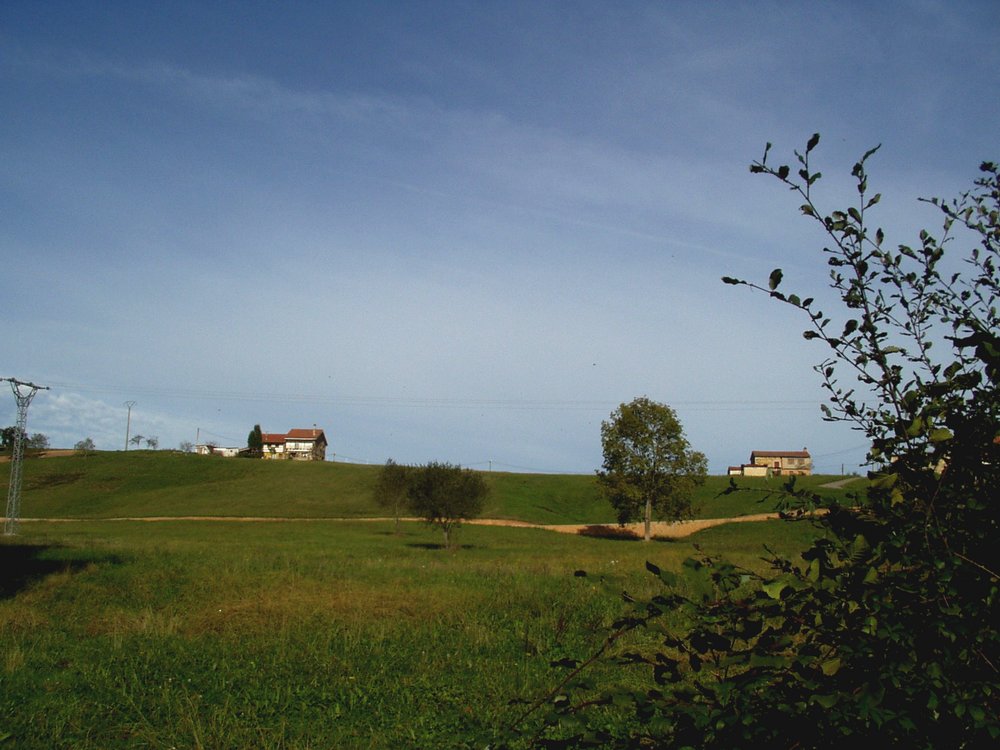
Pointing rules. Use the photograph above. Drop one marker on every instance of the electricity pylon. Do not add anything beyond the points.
(17, 456)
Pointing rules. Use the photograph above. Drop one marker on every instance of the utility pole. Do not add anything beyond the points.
(17, 456)
(128, 421)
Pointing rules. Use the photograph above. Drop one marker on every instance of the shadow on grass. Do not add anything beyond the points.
(609, 532)
(21, 565)
(433, 545)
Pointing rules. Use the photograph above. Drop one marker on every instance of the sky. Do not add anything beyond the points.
(454, 231)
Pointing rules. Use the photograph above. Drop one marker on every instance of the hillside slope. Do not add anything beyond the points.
(163, 483)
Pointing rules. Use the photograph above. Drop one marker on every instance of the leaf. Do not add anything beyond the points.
(774, 279)
(813, 142)
(783, 172)
(940, 434)
(814, 570)
(830, 667)
(774, 588)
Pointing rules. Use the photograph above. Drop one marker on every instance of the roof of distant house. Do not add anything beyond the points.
(307, 434)
(272, 438)
(782, 454)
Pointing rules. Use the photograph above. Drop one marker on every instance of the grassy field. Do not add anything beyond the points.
(299, 634)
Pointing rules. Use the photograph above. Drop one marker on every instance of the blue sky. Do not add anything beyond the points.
(453, 231)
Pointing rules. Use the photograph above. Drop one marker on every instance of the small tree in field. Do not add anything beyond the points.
(85, 446)
(443, 495)
(649, 467)
(38, 442)
(391, 487)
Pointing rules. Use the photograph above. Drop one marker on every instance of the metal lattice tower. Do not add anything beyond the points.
(17, 457)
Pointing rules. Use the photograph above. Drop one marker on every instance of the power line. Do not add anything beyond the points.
(444, 403)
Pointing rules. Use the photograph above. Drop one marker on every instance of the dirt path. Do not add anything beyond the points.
(48, 453)
(674, 530)
(839, 483)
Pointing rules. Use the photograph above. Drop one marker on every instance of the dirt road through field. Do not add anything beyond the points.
(674, 530)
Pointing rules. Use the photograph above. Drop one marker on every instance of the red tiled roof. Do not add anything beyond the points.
(781, 454)
(272, 438)
(305, 434)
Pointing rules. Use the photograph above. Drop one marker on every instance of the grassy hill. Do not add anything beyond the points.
(163, 483)
(306, 635)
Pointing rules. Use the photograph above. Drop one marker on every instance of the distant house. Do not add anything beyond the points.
(296, 445)
(782, 462)
(767, 463)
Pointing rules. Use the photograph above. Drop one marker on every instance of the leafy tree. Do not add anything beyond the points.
(38, 442)
(649, 466)
(391, 488)
(136, 440)
(255, 442)
(7, 437)
(84, 446)
(443, 495)
(186, 446)
(885, 631)
(152, 442)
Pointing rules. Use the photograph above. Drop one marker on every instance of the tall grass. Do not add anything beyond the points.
(303, 634)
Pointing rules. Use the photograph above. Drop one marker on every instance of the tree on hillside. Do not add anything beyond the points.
(7, 437)
(152, 442)
(443, 495)
(255, 442)
(886, 630)
(186, 446)
(391, 487)
(649, 466)
(84, 446)
(136, 440)
(38, 442)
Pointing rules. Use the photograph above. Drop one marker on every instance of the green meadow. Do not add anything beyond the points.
(305, 633)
